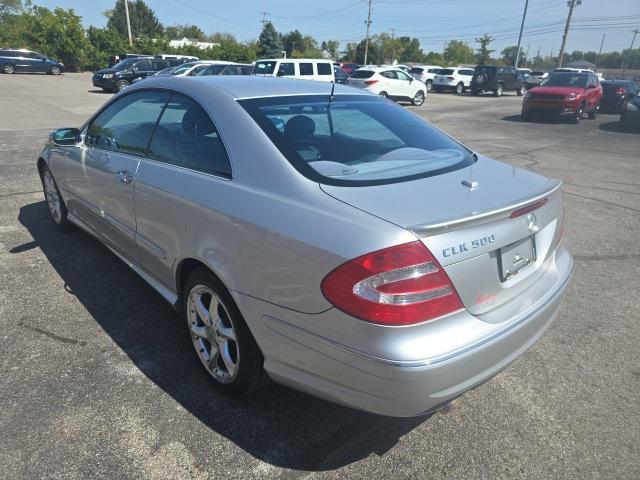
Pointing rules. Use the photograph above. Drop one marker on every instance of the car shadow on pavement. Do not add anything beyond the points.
(277, 425)
(616, 127)
(99, 90)
(542, 119)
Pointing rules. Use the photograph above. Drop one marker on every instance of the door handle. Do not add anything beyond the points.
(125, 176)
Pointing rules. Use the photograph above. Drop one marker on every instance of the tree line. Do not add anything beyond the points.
(59, 33)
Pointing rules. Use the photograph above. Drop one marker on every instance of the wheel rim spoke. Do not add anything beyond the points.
(201, 310)
(226, 333)
(227, 359)
(199, 331)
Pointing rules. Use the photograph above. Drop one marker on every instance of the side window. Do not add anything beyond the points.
(306, 68)
(8, 53)
(126, 125)
(403, 76)
(389, 74)
(143, 66)
(324, 69)
(186, 137)
(157, 66)
(468, 73)
(286, 70)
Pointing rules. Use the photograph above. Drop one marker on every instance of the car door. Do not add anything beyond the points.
(100, 173)
(406, 84)
(23, 62)
(186, 168)
(38, 63)
(391, 83)
(142, 68)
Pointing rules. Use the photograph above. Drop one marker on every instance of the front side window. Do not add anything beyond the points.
(143, 66)
(324, 69)
(186, 137)
(126, 125)
(403, 76)
(306, 68)
(390, 74)
(355, 140)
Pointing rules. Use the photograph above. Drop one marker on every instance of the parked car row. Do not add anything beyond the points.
(21, 60)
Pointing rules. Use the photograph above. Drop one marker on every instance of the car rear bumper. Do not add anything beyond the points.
(325, 368)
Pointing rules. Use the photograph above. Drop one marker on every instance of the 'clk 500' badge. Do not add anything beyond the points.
(465, 247)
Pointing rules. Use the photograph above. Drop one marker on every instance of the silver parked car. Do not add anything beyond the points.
(328, 239)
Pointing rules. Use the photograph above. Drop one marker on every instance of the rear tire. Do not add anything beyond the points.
(460, 88)
(428, 84)
(498, 91)
(222, 341)
(525, 117)
(8, 68)
(593, 115)
(418, 98)
(521, 91)
(383, 94)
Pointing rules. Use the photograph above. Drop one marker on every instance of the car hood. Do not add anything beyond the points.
(557, 90)
(107, 70)
(425, 204)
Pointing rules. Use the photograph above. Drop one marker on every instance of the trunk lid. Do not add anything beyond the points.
(469, 230)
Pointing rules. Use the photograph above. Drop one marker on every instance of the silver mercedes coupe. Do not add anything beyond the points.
(318, 235)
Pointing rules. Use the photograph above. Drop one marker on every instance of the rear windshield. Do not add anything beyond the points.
(362, 74)
(610, 87)
(445, 71)
(578, 80)
(355, 140)
(264, 68)
(417, 71)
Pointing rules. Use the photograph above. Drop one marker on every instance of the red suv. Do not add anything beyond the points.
(564, 93)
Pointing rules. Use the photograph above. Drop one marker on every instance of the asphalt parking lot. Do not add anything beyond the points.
(98, 380)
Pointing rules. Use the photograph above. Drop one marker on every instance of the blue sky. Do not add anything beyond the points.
(431, 21)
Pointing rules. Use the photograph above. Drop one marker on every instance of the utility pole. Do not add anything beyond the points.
(526, 57)
(538, 57)
(444, 49)
(626, 62)
(524, 15)
(264, 18)
(572, 3)
(126, 13)
(366, 43)
(599, 52)
(393, 45)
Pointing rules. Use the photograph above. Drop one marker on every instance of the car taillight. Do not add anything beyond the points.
(620, 91)
(528, 209)
(370, 82)
(559, 233)
(400, 285)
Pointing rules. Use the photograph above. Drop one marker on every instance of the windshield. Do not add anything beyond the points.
(356, 139)
(264, 67)
(212, 70)
(565, 80)
(124, 64)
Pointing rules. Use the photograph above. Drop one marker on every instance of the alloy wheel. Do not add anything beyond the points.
(418, 99)
(55, 70)
(52, 196)
(8, 69)
(213, 334)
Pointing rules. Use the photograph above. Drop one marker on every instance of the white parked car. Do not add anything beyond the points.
(456, 79)
(425, 73)
(389, 82)
(302, 68)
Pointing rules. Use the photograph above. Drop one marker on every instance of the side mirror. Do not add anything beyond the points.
(280, 73)
(65, 136)
(410, 79)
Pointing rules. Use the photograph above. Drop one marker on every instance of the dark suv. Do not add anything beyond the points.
(14, 60)
(497, 80)
(122, 74)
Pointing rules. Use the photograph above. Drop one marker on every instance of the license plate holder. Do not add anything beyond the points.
(514, 258)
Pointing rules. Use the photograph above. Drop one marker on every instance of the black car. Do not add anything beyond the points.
(341, 75)
(122, 74)
(615, 93)
(488, 78)
(630, 117)
(17, 60)
(224, 69)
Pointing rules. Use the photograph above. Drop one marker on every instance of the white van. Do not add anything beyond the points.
(303, 68)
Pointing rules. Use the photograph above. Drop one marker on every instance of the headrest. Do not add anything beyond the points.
(299, 127)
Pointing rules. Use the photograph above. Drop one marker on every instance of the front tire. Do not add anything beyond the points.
(521, 91)
(55, 204)
(8, 68)
(55, 70)
(383, 94)
(121, 85)
(460, 88)
(498, 91)
(418, 98)
(221, 339)
(593, 115)
(578, 115)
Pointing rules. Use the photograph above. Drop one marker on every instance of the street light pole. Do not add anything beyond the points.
(524, 15)
(126, 13)
(366, 44)
(626, 62)
(599, 52)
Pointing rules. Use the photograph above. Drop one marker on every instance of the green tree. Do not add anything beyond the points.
(9, 7)
(408, 50)
(144, 22)
(293, 41)
(457, 53)
(270, 42)
(191, 32)
(509, 55)
(483, 57)
(331, 46)
(104, 43)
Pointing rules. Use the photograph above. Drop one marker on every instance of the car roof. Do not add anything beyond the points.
(381, 68)
(249, 86)
(617, 81)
